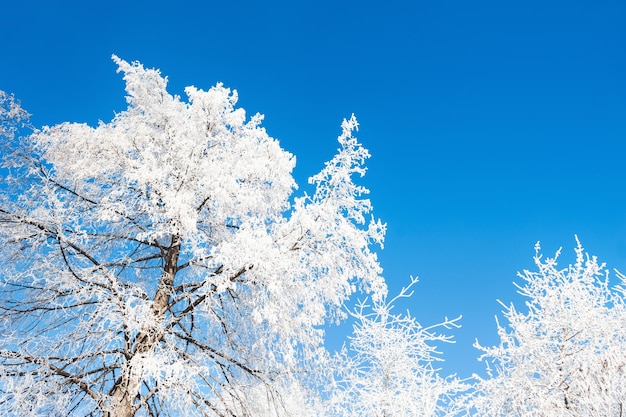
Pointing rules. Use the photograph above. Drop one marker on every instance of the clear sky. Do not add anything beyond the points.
(491, 124)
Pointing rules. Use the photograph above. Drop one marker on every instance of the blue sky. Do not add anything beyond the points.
(491, 124)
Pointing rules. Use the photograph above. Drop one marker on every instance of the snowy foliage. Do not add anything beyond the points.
(160, 264)
(390, 368)
(154, 265)
(565, 356)
(12, 115)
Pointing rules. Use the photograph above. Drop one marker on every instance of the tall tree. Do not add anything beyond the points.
(158, 264)
(564, 356)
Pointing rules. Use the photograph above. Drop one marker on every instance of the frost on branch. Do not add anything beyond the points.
(564, 356)
(389, 368)
(12, 116)
(154, 265)
(329, 217)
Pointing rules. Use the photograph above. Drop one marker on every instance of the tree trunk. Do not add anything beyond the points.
(128, 386)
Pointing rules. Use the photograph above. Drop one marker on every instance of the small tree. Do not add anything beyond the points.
(154, 265)
(389, 368)
(565, 355)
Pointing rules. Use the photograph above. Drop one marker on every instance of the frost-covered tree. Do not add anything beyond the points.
(389, 368)
(159, 265)
(564, 356)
